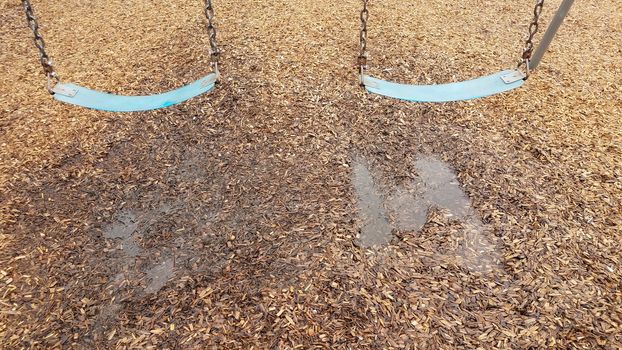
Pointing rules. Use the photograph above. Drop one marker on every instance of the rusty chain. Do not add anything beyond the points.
(211, 31)
(533, 30)
(50, 71)
(44, 59)
(362, 59)
(53, 79)
(525, 58)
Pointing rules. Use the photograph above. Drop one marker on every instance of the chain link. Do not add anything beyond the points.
(533, 30)
(50, 71)
(362, 59)
(211, 31)
(44, 59)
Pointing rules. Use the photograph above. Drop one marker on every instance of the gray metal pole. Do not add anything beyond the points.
(550, 33)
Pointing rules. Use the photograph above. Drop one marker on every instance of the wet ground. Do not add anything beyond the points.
(288, 208)
(406, 209)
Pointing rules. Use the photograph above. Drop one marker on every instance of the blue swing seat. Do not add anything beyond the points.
(81, 96)
(465, 90)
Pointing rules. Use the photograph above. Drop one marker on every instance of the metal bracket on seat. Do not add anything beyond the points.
(513, 77)
(209, 80)
(64, 90)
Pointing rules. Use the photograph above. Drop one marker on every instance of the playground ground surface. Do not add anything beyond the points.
(234, 220)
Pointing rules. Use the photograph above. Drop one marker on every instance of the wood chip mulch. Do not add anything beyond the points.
(230, 221)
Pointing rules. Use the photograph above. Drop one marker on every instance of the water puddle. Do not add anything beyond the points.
(476, 251)
(436, 187)
(127, 227)
(159, 275)
(441, 187)
(375, 228)
(408, 214)
(123, 228)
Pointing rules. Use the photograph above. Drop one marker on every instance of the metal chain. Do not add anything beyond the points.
(211, 30)
(48, 67)
(362, 59)
(44, 59)
(533, 29)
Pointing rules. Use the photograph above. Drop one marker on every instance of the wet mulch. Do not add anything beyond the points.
(231, 221)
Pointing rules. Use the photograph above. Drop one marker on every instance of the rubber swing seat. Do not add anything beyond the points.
(81, 96)
(465, 90)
